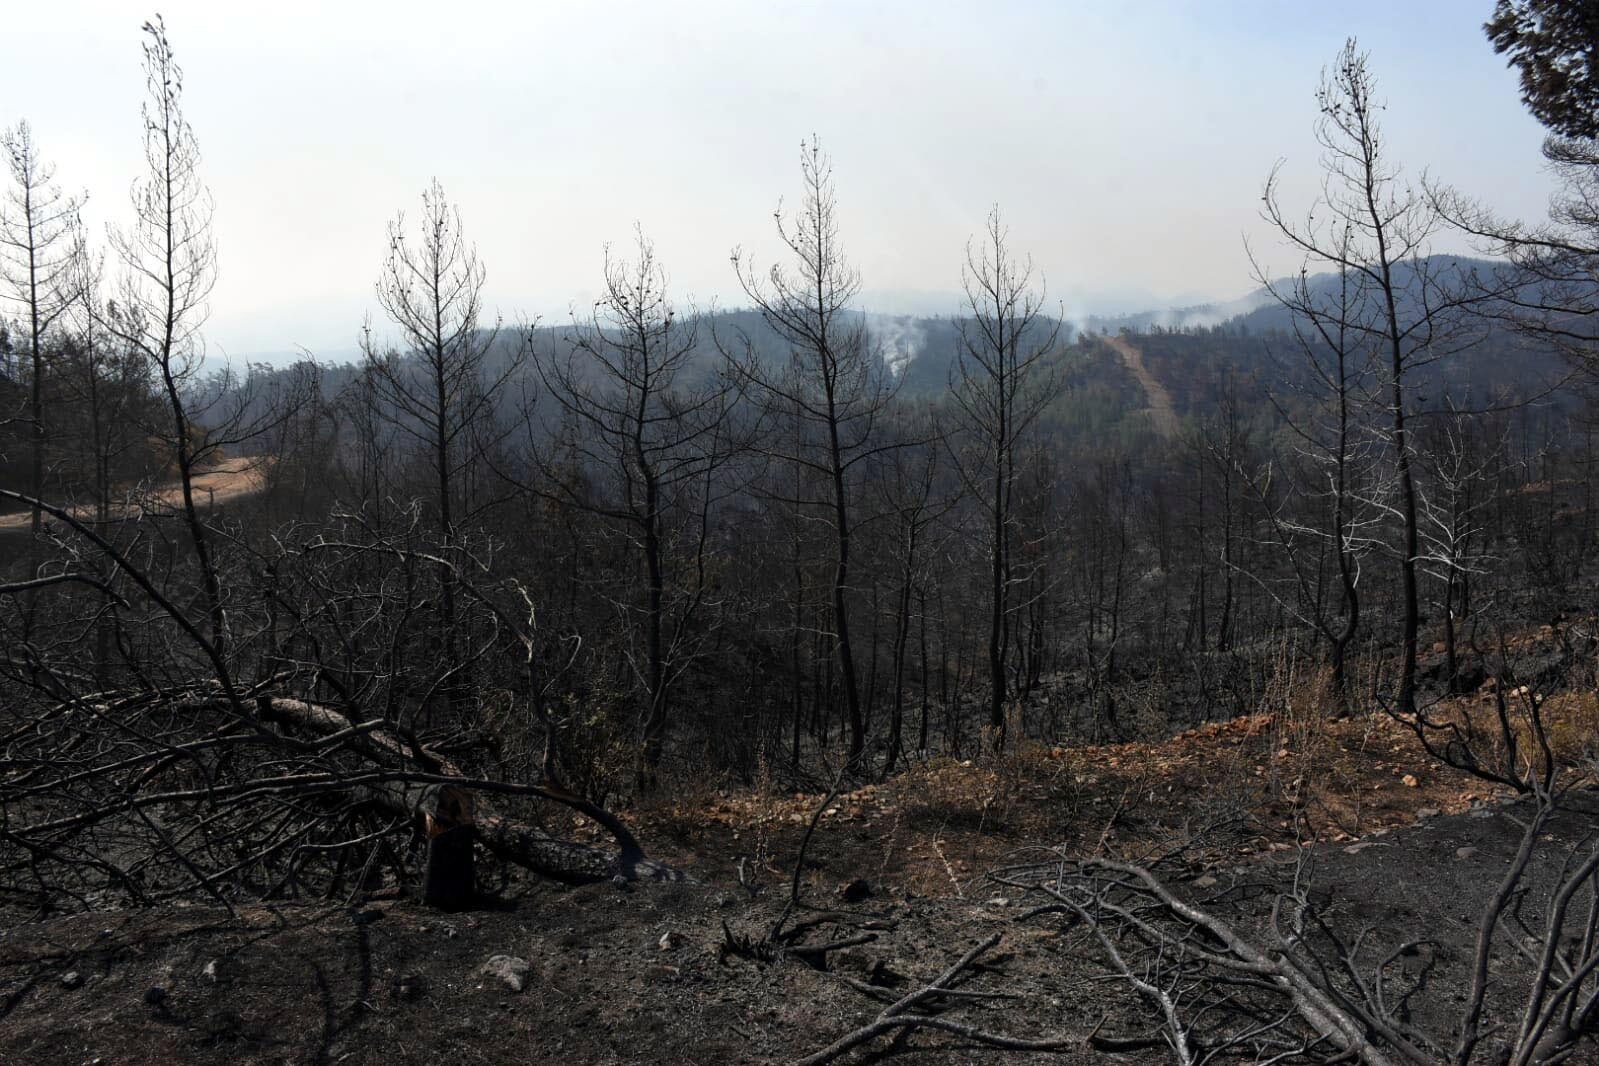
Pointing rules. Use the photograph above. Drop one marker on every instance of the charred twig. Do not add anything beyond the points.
(896, 1017)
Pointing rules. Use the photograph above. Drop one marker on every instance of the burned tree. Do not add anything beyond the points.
(832, 385)
(437, 388)
(650, 428)
(169, 267)
(105, 387)
(1002, 382)
(915, 503)
(1377, 229)
(36, 239)
(438, 385)
(1332, 473)
(1462, 467)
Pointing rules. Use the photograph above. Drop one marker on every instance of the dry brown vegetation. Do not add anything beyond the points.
(936, 829)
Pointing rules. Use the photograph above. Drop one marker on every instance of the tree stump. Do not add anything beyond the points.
(450, 880)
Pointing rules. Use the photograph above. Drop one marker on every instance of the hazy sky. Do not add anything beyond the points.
(1126, 142)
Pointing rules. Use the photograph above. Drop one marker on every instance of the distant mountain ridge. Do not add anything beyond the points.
(903, 319)
(1182, 345)
(1259, 311)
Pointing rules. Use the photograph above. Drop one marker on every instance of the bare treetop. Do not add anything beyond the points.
(168, 254)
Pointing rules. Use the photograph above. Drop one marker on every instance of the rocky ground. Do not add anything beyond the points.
(639, 974)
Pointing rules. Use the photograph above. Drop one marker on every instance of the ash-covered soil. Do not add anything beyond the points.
(636, 975)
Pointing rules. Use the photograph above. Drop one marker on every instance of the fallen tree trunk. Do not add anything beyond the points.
(514, 842)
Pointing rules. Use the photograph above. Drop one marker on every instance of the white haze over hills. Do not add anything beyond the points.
(1190, 316)
(900, 338)
(895, 318)
(897, 321)
(1125, 144)
(900, 327)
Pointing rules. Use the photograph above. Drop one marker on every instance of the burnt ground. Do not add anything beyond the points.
(636, 975)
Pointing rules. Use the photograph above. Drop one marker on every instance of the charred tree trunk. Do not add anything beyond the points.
(450, 880)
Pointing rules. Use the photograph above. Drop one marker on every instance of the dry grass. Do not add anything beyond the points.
(1277, 781)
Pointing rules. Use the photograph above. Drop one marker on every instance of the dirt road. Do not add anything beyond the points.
(1161, 411)
(231, 479)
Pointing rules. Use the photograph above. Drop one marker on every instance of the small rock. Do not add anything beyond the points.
(509, 970)
(1427, 812)
(668, 941)
(411, 987)
(1482, 813)
(72, 979)
(1205, 881)
(1465, 853)
(154, 996)
(619, 883)
(856, 891)
(212, 971)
